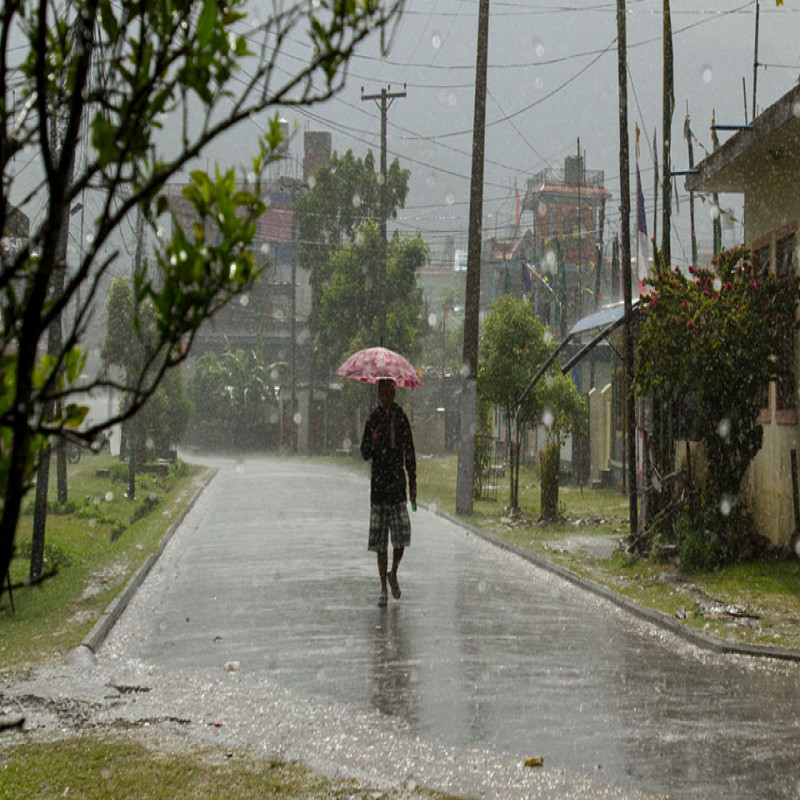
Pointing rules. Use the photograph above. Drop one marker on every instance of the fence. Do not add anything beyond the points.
(490, 467)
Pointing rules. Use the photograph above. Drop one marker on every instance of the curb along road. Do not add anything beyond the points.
(95, 638)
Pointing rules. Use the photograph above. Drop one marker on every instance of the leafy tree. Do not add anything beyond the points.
(234, 397)
(128, 346)
(345, 194)
(126, 69)
(565, 412)
(347, 316)
(711, 341)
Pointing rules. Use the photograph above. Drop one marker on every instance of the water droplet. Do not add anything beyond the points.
(796, 109)
(717, 284)
(548, 337)
(541, 209)
(239, 467)
(92, 522)
(547, 419)
(481, 587)
(109, 496)
(464, 370)
(152, 496)
(449, 198)
(356, 200)
(538, 83)
(707, 74)
(432, 320)
(452, 99)
(244, 301)
(436, 41)
(726, 505)
(538, 47)
(297, 418)
(724, 427)
(550, 259)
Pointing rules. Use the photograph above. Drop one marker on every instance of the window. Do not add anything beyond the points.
(761, 261)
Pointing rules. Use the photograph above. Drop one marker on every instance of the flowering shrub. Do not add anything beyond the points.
(711, 340)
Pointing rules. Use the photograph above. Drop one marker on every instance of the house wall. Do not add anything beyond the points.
(772, 207)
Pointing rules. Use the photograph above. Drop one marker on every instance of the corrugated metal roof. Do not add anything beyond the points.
(600, 319)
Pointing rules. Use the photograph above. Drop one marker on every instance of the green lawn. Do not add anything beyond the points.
(93, 545)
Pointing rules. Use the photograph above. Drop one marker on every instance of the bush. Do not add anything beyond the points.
(708, 537)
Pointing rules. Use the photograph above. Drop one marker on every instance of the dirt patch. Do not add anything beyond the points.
(104, 579)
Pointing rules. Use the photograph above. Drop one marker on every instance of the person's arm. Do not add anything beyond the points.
(367, 442)
(410, 461)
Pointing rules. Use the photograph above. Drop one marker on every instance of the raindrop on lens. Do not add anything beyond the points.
(240, 467)
(796, 109)
(432, 320)
(436, 41)
(726, 506)
(244, 301)
(92, 523)
(707, 74)
(548, 337)
(481, 587)
(547, 419)
(449, 198)
(717, 284)
(538, 47)
(550, 258)
(464, 370)
(297, 418)
(273, 375)
(538, 83)
(356, 200)
(273, 418)
(452, 100)
(724, 427)
(109, 496)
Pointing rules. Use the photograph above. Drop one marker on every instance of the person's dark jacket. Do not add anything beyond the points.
(393, 451)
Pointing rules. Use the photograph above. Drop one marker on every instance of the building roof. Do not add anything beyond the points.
(507, 249)
(276, 223)
(773, 138)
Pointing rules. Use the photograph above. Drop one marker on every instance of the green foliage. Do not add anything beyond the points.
(121, 69)
(514, 348)
(337, 214)
(347, 317)
(233, 398)
(711, 341)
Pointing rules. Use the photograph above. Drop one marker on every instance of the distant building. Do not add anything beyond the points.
(566, 208)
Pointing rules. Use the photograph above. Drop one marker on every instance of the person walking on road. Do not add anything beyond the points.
(388, 441)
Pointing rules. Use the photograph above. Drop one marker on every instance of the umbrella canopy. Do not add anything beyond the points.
(374, 363)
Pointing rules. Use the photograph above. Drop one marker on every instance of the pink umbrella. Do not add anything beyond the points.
(374, 363)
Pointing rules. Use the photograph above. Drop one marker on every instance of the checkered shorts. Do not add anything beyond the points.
(382, 518)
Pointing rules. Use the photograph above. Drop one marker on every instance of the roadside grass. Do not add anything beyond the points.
(753, 602)
(92, 547)
(119, 766)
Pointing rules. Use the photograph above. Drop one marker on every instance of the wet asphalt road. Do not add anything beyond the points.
(482, 652)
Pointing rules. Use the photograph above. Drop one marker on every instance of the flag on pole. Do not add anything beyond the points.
(527, 283)
(641, 236)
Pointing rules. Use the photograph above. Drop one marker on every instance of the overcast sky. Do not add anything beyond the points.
(553, 80)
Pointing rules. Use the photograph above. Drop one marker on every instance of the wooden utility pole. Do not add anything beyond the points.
(625, 258)
(668, 106)
(755, 62)
(384, 100)
(466, 450)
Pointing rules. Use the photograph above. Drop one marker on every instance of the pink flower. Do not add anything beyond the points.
(690, 325)
(678, 321)
(691, 269)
